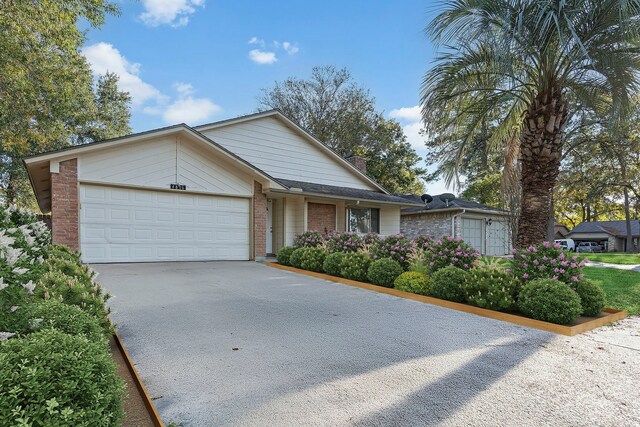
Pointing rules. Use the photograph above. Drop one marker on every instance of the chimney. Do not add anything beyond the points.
(360, 163)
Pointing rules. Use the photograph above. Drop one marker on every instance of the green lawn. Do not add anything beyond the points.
(622, 287)
(613, 258)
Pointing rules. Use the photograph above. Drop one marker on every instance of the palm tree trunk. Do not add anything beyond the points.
(540, 152)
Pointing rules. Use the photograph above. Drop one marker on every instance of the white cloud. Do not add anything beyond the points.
(103, 57)
(411, 120)
(262, 57)
(190, 110)
(255, 40)
(183, 89)
(169, 12)
(290, 48)
(412, 114)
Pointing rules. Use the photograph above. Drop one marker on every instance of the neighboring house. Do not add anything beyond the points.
(237, 189)
(611, 235)
(483, 227)
(561, 231)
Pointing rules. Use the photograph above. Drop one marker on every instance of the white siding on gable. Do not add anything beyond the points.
(280, 152)
(157, 163)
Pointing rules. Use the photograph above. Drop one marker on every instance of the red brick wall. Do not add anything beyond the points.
(321, 217)
(64, 205)
(259, 221)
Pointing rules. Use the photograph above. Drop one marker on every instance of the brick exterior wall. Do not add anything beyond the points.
(64, 205)
(434, 225)
(259, 222)
(321, 217)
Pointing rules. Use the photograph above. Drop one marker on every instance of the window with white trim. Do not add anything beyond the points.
(363, 220)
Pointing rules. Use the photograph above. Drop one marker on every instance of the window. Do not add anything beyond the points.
(363, 220)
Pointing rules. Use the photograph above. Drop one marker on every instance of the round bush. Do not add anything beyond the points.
(384, 272)
(308, 239)
(490, 288)
(284, 254)
(549, 300)
(312, 259)
(65, 318)
(448, 283)
(333, 264)
(53, 379)
(355, 265)
(295, 260)
(591, 297)
(338, 241)
(413, 281)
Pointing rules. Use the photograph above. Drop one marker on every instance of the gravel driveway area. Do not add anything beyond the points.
(242, 344)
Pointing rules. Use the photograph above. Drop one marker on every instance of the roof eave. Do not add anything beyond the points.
(339, 197)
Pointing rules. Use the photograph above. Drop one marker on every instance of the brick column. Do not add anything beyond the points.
(64, 205)
(259, 222)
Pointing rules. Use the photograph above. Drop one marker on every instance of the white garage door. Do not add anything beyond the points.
(127, 225)
(498, 238)
(472, 232)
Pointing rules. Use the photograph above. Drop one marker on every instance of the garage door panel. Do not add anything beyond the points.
(127, 225)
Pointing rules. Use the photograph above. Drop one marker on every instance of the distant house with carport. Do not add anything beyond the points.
(611, 235)
(484, 227)
(560, 231)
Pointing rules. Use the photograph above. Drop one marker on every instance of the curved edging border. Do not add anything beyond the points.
(568, 330)
(148, 403)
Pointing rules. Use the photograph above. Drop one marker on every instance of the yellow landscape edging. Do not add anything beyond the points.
(568, 330)
(146, 398)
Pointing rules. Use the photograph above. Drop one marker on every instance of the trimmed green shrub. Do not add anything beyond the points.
(549, 300)
(448, 283)
(384, 272)
(295, 260)
(333, 264)
(308, 239)
(284, 254)
(355, 265)
(50, 378)
(65, 318)
(413, 281)
(591, 296)
(312, 259)
(490, 288)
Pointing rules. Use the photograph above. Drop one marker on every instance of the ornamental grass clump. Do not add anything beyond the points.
(333, 264)
(414, 282)
(312, 259)
(355, 266)
(549, 300)
(546, 261)
(450, 252)
(396, 247)
(344, 242)
(448, 283)
(383, 272)
(284, 254)
(308, 239)
(490, 288)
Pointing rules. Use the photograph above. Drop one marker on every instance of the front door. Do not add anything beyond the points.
(269, 226)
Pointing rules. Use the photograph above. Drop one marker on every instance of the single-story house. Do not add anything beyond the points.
(560, 231)
(484, 227)
(611, 235)
(237, 189)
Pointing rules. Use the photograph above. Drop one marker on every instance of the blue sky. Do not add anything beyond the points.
(205, 60)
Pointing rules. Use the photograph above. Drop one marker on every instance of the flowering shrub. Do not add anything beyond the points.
(383, 272)
(546, 261)
(490, 288)
(370, 239)
(449, 251)
(422, 242)
(395, 247)
(345, 242)
(308, 239)
(414, 282)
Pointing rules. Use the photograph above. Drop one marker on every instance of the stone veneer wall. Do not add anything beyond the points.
(434, 225)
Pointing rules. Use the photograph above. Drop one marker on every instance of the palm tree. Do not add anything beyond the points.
(530, 58)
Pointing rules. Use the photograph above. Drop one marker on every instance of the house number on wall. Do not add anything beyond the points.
(177, 186)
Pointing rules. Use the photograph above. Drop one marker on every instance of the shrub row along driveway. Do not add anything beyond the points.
(319, 353)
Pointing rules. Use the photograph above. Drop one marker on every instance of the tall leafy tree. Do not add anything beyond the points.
(343, 115)
(46, 96)
(530, 57)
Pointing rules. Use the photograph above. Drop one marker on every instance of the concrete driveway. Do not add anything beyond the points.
(240, 343)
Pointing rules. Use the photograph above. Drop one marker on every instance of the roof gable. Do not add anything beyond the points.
(614, 228)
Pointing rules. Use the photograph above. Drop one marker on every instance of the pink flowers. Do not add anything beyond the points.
(546, 261)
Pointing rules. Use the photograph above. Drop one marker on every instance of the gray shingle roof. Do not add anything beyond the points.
(438, 204)
(355, 193)
(615, 228)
